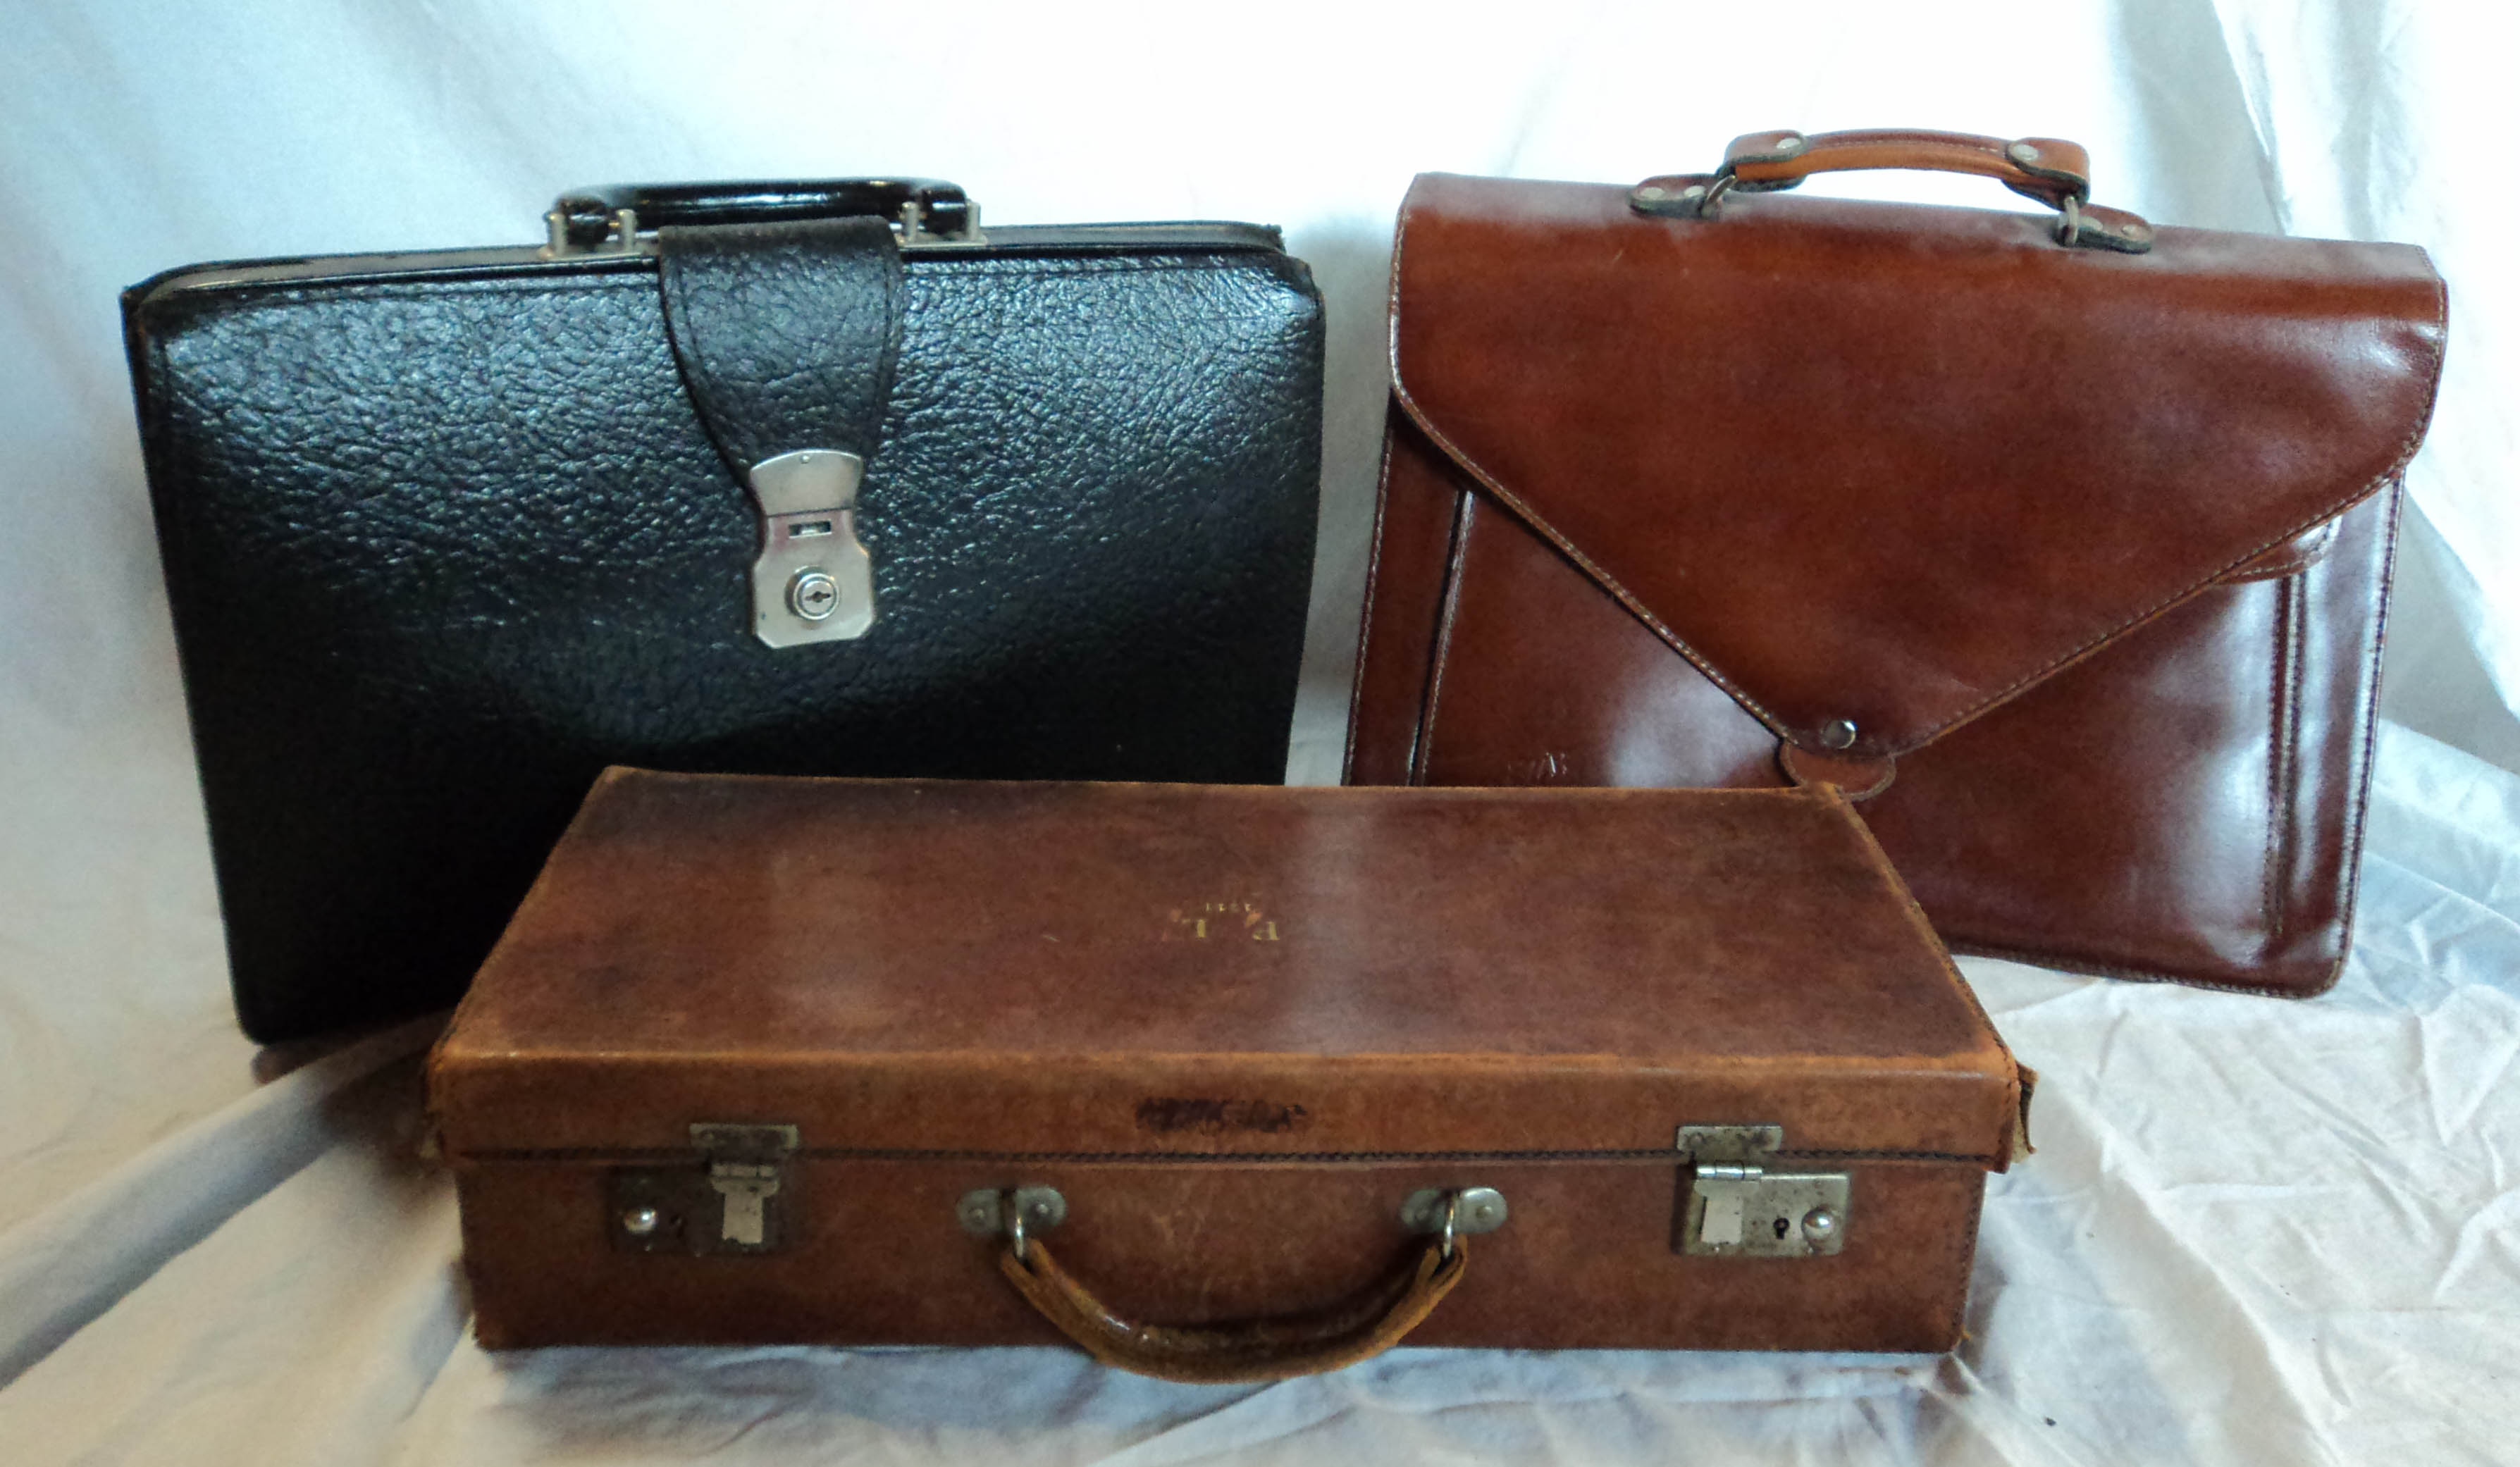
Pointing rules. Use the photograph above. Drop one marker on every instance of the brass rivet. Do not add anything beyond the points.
(1837, 734)
(2022, 153)
(639, 1221)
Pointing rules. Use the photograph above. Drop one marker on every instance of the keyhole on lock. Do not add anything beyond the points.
(1783, 1227)
(813, 595)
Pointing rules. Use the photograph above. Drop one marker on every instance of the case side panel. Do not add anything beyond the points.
(1584, 1259)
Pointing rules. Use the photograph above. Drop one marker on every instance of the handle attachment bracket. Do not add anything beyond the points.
(623, 218)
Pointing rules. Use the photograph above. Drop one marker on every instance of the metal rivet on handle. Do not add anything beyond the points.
(1652, 192)
(2136, 232)
(2022, 153)
(1693, 191)
(639, 1221)
(1837, 734)
(1790, 146)
(1820, 1224)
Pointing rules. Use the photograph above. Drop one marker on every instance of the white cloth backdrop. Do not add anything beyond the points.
(2255, 1233)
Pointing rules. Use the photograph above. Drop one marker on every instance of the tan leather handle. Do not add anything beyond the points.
(2055, 172)
(1255, 1349)
(2047, 170)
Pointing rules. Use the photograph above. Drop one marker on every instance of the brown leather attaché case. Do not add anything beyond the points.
(1219, 1082)
(2061, 542)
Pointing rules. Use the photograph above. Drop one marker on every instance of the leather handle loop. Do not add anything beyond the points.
(1255, 1349)
(2055, 172)
(2050, 171)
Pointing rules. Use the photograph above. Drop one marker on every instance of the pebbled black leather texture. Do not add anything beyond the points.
(441, 543)
(786, 334)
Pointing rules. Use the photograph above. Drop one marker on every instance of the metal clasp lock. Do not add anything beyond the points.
(1732, 1205)
(812, 581)
(736, 1201)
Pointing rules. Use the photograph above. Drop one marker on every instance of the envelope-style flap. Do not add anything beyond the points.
(1885, 467)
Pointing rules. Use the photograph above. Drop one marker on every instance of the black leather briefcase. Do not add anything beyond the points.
(804, 478)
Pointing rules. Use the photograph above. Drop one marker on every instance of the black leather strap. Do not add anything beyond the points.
(786, 332)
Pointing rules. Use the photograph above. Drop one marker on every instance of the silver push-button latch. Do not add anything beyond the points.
(1732, 1204)
(812, 581)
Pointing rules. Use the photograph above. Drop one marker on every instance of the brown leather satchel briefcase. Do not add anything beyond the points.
(1220, 1083)
(2062, 544)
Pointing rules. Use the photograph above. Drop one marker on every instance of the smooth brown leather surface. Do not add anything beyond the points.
(2093, 548)
(956, 985)
(1895, 464)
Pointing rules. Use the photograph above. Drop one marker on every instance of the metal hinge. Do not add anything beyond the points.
(620, 236)
(1731, 1204)
(912, 230)
(737, 1198)
(620, 232)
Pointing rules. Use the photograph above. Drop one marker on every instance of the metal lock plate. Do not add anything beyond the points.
(1732, 1204)
(812, 581)
(737, 1199)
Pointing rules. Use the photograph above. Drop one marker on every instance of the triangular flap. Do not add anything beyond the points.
(1887, 466)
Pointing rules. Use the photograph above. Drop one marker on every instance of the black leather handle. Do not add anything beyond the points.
(942, 207)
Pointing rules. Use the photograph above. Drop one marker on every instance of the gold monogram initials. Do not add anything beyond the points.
(1223, 920)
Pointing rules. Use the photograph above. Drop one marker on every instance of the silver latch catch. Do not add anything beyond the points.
(737, 1200)
(1734, 1204)
(812, 581)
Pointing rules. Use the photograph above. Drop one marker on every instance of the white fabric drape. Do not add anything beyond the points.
(2255, 1232)
(2373, 120)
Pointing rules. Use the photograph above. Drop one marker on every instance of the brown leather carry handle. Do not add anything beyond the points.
(1256, 1349)
(2055, 172)
(2047, 170)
